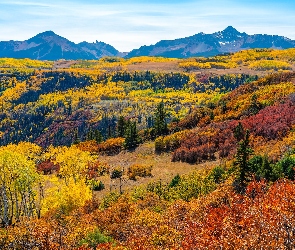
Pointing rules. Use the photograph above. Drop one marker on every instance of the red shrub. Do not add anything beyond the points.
(47, 167)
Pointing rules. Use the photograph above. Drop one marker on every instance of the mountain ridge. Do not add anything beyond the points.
(227, 41)
(50, 46)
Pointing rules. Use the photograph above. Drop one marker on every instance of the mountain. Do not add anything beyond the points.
(201, 44)
(50, 46)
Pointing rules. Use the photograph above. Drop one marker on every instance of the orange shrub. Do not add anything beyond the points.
(111, 146)
(90, 146)
(139, 170)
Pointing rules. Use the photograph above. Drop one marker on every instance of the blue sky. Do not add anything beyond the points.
(130, 24)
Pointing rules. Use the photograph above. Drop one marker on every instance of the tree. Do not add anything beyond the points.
(131, 136)
(98, 136)
(255, 106)
(242, 157)
(121, 126)
(18, 184)
(160, 124)
(73, 162)
(76, 137)
(239, 132)
(90, 135)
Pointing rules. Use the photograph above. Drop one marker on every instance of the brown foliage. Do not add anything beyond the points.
(96, 169)
(48, 167)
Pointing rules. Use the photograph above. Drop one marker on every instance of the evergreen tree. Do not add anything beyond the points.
(255, 106)
(242, 159)
(160, 124)
(76, 137)
(98, 136)
(131, 136)
(121, 126)
(239, 132)
(90, 135)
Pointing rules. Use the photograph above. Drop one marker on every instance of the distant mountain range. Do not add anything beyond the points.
(201, 44)
(49, 46)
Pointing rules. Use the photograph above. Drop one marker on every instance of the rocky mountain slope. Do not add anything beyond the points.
(201, 44)
(50, 46)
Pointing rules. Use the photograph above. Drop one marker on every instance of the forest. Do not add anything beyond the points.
(148, 152)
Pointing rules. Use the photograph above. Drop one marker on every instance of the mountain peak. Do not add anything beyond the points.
(230, 30)
(47, 33)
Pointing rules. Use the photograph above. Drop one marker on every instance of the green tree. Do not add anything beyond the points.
(286, 167)
(255, 106)
(121, 126)
(244, 152)
(98, 136)
(94, 238)
(90, 135)
(76, 137)
(239, 132)
(262, 168)
(160, 123)
(131, 136)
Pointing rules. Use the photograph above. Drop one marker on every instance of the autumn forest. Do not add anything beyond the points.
(148, 152)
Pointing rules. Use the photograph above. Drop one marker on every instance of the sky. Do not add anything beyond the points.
(129, 24)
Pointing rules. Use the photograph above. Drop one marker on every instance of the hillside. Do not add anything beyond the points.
(148, 152)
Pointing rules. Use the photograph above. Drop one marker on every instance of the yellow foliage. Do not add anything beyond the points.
(194, 65)
(165, 236)
(19, 183)
(269, 65)
(65, 197)
(24, 63)
(146, 217)
(112, 145)
(30, 150)
(139, 170)
(73, 162)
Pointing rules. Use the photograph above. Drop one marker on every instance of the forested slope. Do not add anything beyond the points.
(64, 131)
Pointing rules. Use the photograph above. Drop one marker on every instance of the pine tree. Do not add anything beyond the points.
(239, 132)
(121, 126)
(76, 137)
(160, 124)
(131, 136)
(90, 135)
(255, 106)
(98, 136)
(242, 157)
